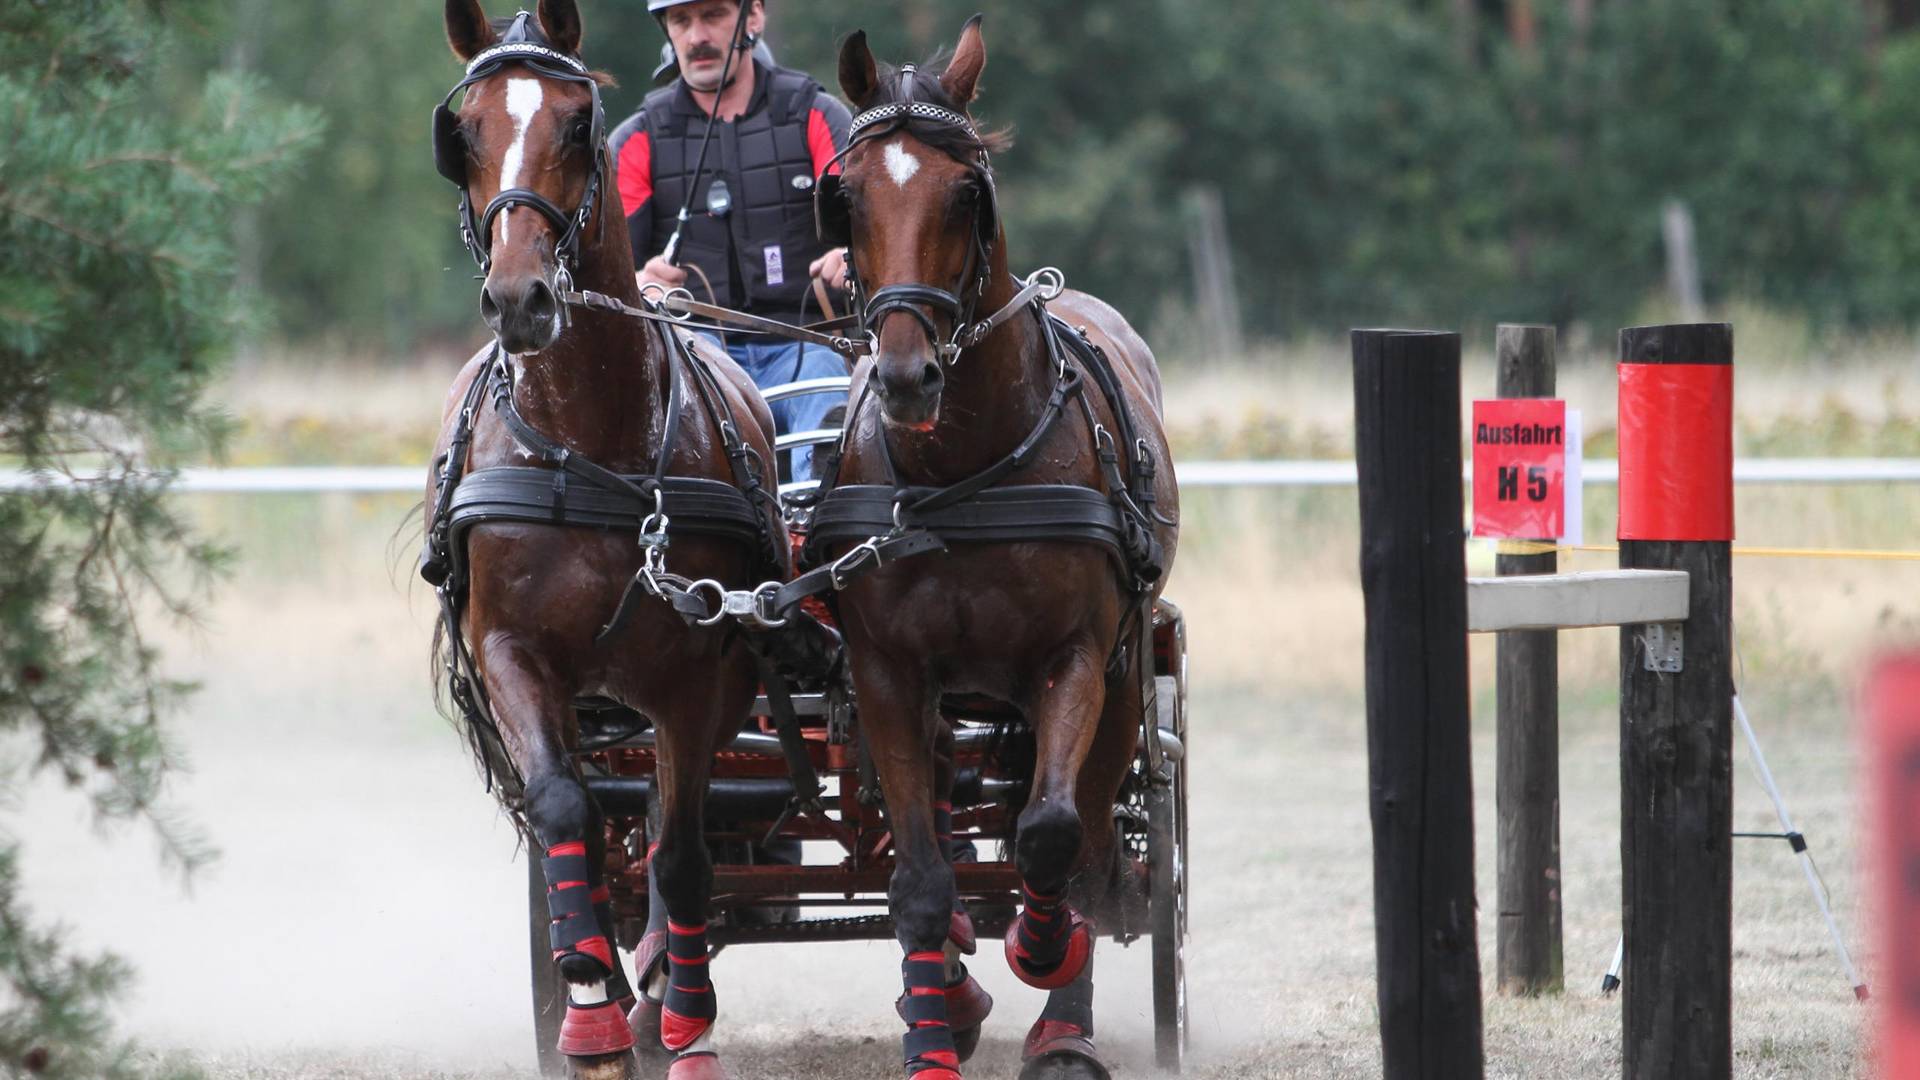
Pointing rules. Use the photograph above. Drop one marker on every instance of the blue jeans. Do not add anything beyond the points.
(770, 362)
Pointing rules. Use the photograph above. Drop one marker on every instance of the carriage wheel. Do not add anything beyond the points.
(549, 990)
(1167, 862)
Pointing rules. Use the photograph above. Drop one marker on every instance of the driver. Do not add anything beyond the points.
(751, 234)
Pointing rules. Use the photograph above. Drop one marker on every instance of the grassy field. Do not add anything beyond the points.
(367, 919)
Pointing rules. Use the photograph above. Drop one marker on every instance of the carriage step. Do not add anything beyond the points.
(987, 920)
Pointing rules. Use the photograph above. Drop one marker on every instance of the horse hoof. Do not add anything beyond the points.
(644, 1020)
(697, 1067)
(1079, 951)
(965, 1042)
(1058, 1051)
(614, 1067)
(594, 1030)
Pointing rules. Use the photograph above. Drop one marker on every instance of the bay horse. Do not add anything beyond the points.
(589, 408)
(1047, 627)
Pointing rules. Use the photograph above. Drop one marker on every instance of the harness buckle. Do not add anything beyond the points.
(853, 560)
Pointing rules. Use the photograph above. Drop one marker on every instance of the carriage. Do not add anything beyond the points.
(790, 869)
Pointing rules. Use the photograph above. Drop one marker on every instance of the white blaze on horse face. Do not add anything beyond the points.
(524, 98)
(901, 164)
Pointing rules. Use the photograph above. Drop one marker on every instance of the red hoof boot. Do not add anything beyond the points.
(679, 1032)
(697, 1067)
(594, 1030)
(1060, 1051)
(960, 932)
(937, 1074)
(644, 1015)
(1079, 951)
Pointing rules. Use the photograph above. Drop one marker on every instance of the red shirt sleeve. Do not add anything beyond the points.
(633, 169)
(820, 143)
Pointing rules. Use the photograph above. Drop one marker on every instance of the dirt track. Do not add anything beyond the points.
(367, 918)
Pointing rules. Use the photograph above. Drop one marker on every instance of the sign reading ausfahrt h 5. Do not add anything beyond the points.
(1520, 469)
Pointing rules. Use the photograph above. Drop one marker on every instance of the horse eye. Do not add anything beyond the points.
(580, 132)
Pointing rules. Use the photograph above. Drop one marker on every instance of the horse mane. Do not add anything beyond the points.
(501, 26)
(957, 142)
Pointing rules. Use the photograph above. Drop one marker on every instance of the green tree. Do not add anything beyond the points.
(116, 306)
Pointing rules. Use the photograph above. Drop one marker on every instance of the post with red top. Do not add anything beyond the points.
(1893, 755)
(1676, 704)
(1413, 573)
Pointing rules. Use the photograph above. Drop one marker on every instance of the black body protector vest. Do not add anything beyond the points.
(757, 254)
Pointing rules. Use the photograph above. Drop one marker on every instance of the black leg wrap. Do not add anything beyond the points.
(1044, 929)
(1073, 1003)
(928, 1043)
(575, 933)
(618, 989)
(689, 1010)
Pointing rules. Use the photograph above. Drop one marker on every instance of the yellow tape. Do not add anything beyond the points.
(1533, 547)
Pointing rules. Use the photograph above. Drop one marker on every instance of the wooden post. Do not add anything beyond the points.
(1413, 572)
(1893, 758)
(1676, 727)
(1527, 778)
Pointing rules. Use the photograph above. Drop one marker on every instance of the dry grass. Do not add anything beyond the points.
(368, 918)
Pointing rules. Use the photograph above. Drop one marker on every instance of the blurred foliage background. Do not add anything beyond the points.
(1446, 162)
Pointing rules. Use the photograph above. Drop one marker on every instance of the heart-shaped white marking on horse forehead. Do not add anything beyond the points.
(901, 164)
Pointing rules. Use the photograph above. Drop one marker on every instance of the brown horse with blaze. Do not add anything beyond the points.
(589, 385)
(1047, 627)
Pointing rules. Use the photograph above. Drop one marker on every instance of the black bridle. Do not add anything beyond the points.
(959, 305)
(450, 152)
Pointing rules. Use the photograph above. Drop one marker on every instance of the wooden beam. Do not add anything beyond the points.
(1572, 601)
(1419, 759)
(1676, 754)
(1526, 784)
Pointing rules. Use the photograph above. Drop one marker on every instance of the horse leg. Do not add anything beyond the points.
(682, 875)
(968, 1003)
(650, 975)
(1051, 945)
(572, 838)
(899, 713)
(1060, 1044)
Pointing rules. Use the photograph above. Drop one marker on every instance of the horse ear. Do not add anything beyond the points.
(859, 76)
(962, 78)
(468, 31)
(561, 20)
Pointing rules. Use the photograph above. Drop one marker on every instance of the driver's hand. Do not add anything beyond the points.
(659, 271)
(831, 268)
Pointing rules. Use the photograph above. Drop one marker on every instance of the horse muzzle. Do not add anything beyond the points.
(523, 312)
(910, 388)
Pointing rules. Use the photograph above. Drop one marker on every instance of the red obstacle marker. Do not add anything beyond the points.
(1893, 754)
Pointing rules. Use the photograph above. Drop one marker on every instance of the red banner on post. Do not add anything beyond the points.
(1893, 756)
(1519, 469)
(1676, 452)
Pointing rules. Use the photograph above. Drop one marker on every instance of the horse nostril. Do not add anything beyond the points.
(542, 304)
(930, 379)
(489, 308)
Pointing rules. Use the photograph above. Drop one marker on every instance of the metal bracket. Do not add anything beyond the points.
(1665, 645)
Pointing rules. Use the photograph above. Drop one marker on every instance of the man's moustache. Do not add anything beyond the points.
(703, 54)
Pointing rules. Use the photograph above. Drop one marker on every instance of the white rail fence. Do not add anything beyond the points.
(1200, 474)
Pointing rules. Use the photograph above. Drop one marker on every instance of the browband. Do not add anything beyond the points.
(911, 110)
(528, 49)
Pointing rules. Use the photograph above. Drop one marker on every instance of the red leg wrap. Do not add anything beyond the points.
(1078, 951)
(593, 1030)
